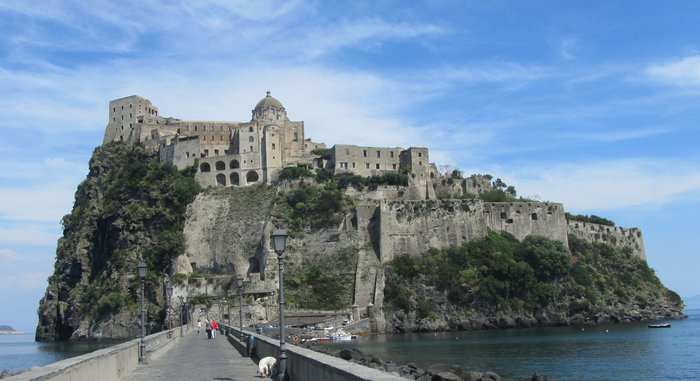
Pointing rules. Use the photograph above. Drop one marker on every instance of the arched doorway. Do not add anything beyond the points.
(221, 179)
(234, 179)
(251, 177)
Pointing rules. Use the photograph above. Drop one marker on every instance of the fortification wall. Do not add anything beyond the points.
(412, 227)
(613, 235)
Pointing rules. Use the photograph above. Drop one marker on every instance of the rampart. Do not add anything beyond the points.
(626, 239)
(416, 226)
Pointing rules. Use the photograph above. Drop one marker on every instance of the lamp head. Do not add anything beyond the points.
(169, 290)
(279, 240)
(142, 269)
(239, 280)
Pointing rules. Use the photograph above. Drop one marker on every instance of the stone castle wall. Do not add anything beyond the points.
(612, 235)
(412, 227)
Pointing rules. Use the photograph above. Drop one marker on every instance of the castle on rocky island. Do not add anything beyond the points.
(235, 154)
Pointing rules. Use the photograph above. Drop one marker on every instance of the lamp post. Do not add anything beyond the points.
(279, 240)
(142, 274)
(182, 310)
(169, 292)
(228, 305)
(239, 283)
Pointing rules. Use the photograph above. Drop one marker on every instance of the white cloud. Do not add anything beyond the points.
(682, 72)
(605, 185)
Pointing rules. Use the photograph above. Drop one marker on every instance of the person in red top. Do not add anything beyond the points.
(214, 327)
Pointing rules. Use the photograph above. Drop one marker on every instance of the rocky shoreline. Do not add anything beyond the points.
(435, 372)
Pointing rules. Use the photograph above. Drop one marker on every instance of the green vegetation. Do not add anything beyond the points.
(130, 207)
(313, 207)
(500, 272)
(592, 219)
(291, 173)
(316, 289)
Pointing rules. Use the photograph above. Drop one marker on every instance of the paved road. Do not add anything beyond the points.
(197, 358)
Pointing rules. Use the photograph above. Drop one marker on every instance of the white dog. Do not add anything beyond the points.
(267, 366)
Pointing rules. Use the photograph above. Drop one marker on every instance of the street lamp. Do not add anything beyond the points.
(239, 283)
(182, 310)
(169, 292)
(142, 274)
(279, 240)
(229, 293)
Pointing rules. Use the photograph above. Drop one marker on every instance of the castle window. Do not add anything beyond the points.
(204, 167)
(250, 129)
(122, 107)
(367, 165)
(130, 116)
(347, 152)
(379, 154)
(393, 166)
(234, 164)
(206, 152)
(216, 153)
(205, 138)
(114, 109)
(377, 165)
(187, 155)
(364, 152)
(533, 216)
(273, 145)
(296, 136)
(122, 117)
(353, 165)
(503, 215)
(251, 148)
(234, 179)
(221, 179)
(343, 165)
(420, 163)
(420, 154)
(251, 139)
(195, 128)
(391, 153)
(114, 119)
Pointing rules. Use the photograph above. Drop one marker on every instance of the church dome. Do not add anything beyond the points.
(268, 101)
(269, 108)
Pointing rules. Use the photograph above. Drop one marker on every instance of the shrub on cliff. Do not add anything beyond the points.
(130, 207)
(498, 273)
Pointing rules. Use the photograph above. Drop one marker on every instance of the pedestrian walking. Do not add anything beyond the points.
(207, 327)
(199, 325)
(214, 327)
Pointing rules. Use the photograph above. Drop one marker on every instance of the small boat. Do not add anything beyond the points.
(666, 325)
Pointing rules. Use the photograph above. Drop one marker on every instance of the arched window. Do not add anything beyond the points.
(250, 129)
(234, 164)
(221, 179)
(204, 167)
(251, 177)
(251, 139)
(234, 179)
(220, 166)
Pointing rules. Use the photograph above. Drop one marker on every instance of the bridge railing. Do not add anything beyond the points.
(306, 364)
(107, 364)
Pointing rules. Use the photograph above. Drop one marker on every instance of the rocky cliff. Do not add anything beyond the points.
(349, 249)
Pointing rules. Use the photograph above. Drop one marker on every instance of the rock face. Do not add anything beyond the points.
(131, 208)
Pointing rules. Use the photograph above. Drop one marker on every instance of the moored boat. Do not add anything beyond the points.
(665, 325)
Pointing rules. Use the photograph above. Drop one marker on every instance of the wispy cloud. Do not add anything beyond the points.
(681, 72)
(610, 184)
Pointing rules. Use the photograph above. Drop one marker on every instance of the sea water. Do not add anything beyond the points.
(21, 352)
(623, 352)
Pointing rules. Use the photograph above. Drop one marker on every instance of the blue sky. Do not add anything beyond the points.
(590, 103)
